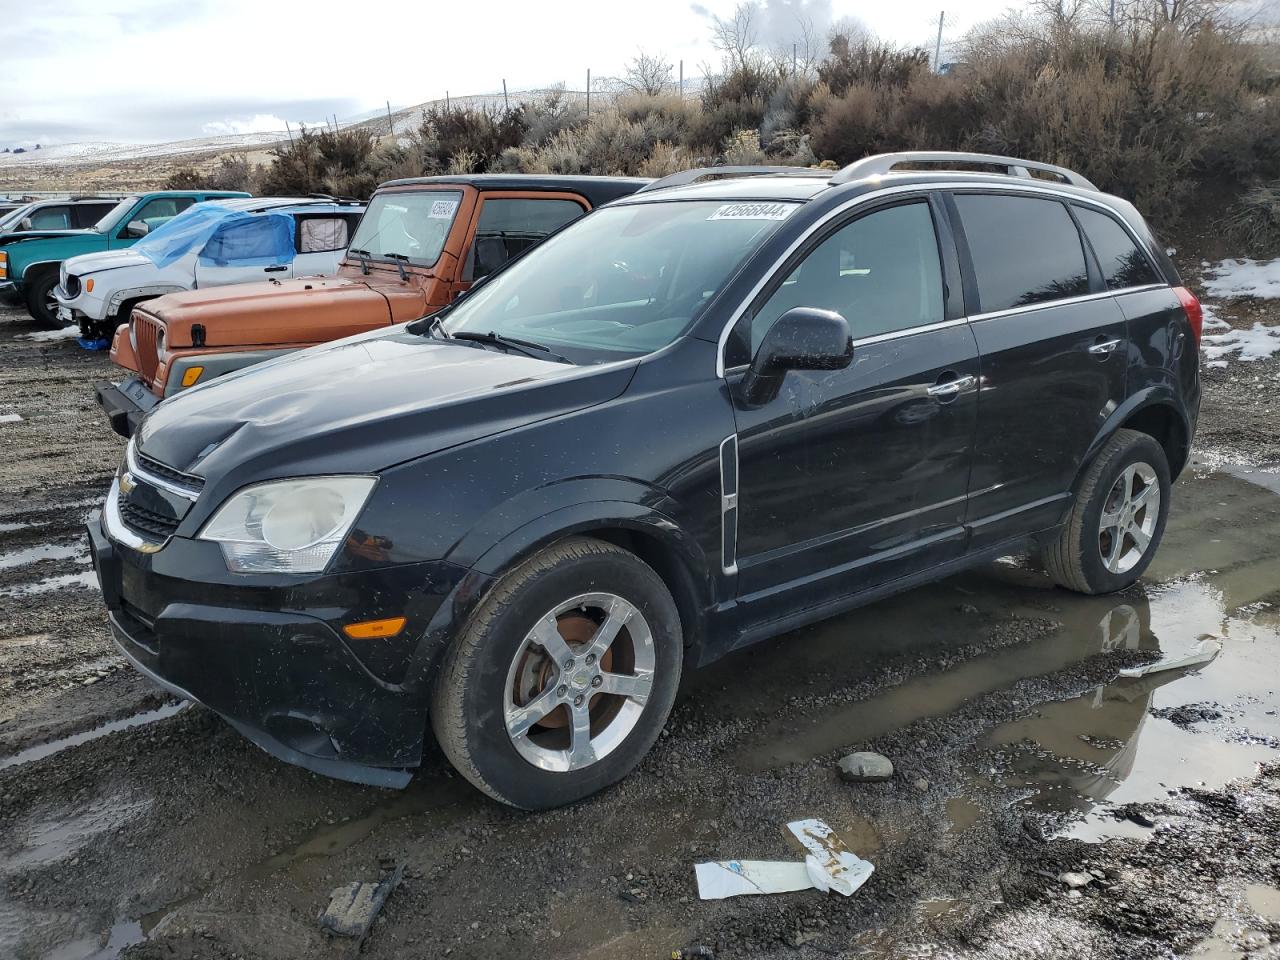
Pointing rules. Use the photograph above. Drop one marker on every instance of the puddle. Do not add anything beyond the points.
(1137, 740)
(45, 551)
(1264, 901)
(124, 934)
(40, 751)
(86, 579)
(61, 834)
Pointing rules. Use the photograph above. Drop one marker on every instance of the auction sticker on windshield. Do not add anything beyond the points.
(752, 211)
(443, 209)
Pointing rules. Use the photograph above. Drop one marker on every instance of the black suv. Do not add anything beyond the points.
(731, 404)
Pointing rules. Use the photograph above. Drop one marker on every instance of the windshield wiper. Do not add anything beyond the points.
(527, 347)
(400, 260)
(363, 256)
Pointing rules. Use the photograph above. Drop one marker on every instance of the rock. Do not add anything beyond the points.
(1141, 819)
(866, 767)
(1075, 880)
(353, 907)
(922, 784)
(1074, 894)
(968, 608)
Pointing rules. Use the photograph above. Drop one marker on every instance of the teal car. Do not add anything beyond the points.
(30, 261)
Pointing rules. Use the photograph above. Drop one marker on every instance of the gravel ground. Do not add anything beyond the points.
(1020, 754)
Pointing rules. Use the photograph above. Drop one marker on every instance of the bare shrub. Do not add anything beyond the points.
(1254, 219)
(232, 172)
(549, 114)
(332, 162)
(450, 132)
(647, 73)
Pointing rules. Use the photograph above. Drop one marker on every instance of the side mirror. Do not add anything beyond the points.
(137, 228)
(803, 338)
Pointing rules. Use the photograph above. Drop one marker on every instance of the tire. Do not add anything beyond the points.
(495, 672)
(1090, 556)
(40, 303)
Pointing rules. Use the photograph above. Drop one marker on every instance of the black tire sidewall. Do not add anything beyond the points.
(37, 293)
(502, 767)
(1138, 448)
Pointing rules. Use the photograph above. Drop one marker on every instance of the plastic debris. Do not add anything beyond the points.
(10, 418)
(1203, 652)
(697, 952)
(866, 767)
(829, 866)
(354, 906)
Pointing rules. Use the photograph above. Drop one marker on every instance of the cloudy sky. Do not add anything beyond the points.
(154, 70)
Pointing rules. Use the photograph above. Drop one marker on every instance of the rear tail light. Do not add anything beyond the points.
(1191, 306)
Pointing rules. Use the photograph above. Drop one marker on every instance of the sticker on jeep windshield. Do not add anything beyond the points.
(752, 211)
(443, 209)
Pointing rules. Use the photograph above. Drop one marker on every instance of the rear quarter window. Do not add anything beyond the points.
(1123, 264)
(1025, 250)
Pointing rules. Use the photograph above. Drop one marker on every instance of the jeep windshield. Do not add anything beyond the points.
(623, 281)
(115, 215)
(397, 226)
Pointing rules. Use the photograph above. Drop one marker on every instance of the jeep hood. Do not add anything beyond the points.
(361, 405)
(306, 310)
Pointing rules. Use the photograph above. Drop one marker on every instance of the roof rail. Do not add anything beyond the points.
(883, 163)
(724, 173)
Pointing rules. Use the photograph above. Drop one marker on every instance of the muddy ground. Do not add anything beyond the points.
(130, 826)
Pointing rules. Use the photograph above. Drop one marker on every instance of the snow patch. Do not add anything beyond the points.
(66, 333)
(1244, 278)
(1257, 343)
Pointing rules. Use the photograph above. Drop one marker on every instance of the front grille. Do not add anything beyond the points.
(147, 333)
(147, 522)
(150, 465)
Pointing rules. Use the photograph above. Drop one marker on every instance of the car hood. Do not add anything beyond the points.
(306, 310)
(88, 263)
(19, 237)
(361, 405)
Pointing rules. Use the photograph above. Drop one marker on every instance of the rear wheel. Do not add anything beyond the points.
(562, 680)
(1118, 518)
(41, 303)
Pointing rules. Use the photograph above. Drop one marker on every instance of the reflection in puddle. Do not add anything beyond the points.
(40, 751)
(43, 551)
(1113, 745)
(86, 579)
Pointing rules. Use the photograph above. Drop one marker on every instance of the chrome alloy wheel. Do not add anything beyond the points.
(578, 684)
(1129, 518)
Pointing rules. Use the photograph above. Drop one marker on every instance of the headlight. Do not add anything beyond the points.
(287, 526)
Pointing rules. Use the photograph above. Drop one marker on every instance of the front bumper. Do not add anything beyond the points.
(9, 292)
(126, 404)
(267, 654)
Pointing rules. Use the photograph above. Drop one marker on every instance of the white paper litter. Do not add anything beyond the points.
(830, 865)
(10, 418)
(1202, 652)
(734, 878)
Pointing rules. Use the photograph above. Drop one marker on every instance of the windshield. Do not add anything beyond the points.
(623, 281)
(10, 220)
(413, 225)
(115, 215)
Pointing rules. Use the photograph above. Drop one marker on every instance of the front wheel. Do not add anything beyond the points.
(41, 303)
(563, 678)
(1117, 520)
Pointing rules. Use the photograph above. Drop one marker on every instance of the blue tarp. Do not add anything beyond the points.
(222, 236)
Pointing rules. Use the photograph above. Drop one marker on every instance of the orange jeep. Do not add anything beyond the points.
(421, 243)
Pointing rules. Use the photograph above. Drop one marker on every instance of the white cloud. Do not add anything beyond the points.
(258, 123)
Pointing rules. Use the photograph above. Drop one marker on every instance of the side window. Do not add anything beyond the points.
(157, 211)
(247, 242)
(510, 226)
(881, 273)
(319, 234)
(51, 218)
(87, 214)
(1123, 264)
(1025, 250)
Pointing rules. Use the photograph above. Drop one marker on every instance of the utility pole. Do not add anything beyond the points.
(588, 93)
(391, 127)
(289, 132)
(1112, 15)
(793, 58)
(937, 50)
(446, 101)
(335, 123)
(506, 104)
(681, 79)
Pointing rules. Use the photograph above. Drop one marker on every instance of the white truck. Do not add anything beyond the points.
(214, 243)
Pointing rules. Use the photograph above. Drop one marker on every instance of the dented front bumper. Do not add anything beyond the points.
(268, 655)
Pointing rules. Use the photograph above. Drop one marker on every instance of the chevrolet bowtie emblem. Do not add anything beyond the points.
(126, 482)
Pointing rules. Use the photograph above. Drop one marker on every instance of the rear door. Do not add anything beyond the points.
(855, 477)
(1053, 344)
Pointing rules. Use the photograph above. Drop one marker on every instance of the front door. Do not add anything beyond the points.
(851, 478)
(257, 248)
(1054, 346)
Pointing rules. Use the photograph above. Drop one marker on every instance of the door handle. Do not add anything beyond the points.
(947, 390)
(274, 269)
(1104, 348)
